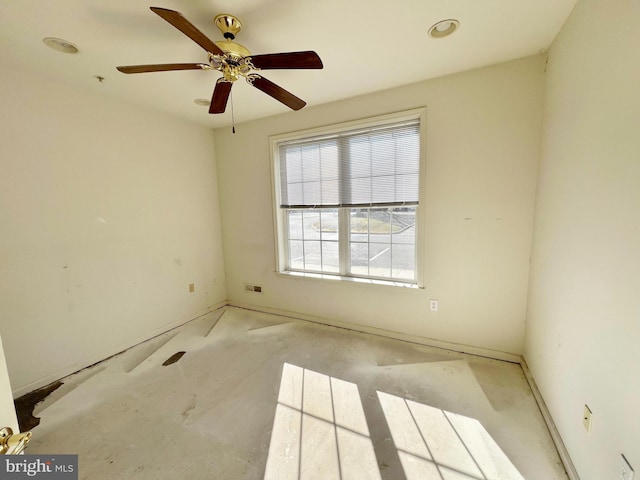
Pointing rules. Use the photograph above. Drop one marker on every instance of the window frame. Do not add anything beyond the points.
(280, 217)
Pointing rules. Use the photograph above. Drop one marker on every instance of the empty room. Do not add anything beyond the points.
(278, 239)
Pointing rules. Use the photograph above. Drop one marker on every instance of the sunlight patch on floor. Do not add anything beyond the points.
(434, 443)
(319, 430)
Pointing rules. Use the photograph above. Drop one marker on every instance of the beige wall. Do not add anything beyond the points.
(583, 329)
(482, 152)
(107, 214)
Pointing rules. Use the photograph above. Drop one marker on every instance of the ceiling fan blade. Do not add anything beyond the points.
(292, 60)
(277, 92)
(166, 67)
(177, 20)
(220, 96)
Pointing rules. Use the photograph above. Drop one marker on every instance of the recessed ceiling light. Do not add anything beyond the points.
(444, 28)
(60, 45)
(203, 102)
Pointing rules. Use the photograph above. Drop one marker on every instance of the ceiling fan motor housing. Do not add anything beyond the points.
(233, 63)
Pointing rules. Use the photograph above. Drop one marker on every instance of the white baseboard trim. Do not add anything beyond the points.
(483, 352)
(430, 342)
(548, 419)
(104, 354)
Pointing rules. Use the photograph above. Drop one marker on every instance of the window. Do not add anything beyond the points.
(347, 199)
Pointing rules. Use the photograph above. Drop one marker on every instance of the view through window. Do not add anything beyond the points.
(348, 201)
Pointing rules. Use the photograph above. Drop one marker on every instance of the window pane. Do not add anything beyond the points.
(360, 259)
(294, 221)
(329, 220)
(312, 256)
(330, 260)
(382, 242)
(404, 244)
(403, 256)
(296, 254)
(312, 225)
(380, 225)
(380, 260)
(359, 224)
(313, 240)
(404, 221)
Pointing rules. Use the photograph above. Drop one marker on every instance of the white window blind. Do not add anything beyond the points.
(378, 166)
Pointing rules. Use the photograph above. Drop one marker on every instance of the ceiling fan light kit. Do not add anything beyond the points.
(232, 60)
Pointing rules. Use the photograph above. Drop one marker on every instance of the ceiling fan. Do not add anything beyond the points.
(232, 60)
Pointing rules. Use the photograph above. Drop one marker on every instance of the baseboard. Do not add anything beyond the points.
(548, 419)
(102, 355)
(98, 357)
(483, 352)
(429, 342)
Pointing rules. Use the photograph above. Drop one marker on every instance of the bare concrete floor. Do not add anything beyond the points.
(261, 396)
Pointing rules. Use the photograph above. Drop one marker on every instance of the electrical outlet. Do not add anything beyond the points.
(192, 287)
(586, 418)
(433, 305)
(626, 471)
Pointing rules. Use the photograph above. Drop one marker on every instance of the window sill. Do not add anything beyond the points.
(357, 280)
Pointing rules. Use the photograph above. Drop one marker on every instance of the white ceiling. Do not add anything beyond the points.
(365, 45)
